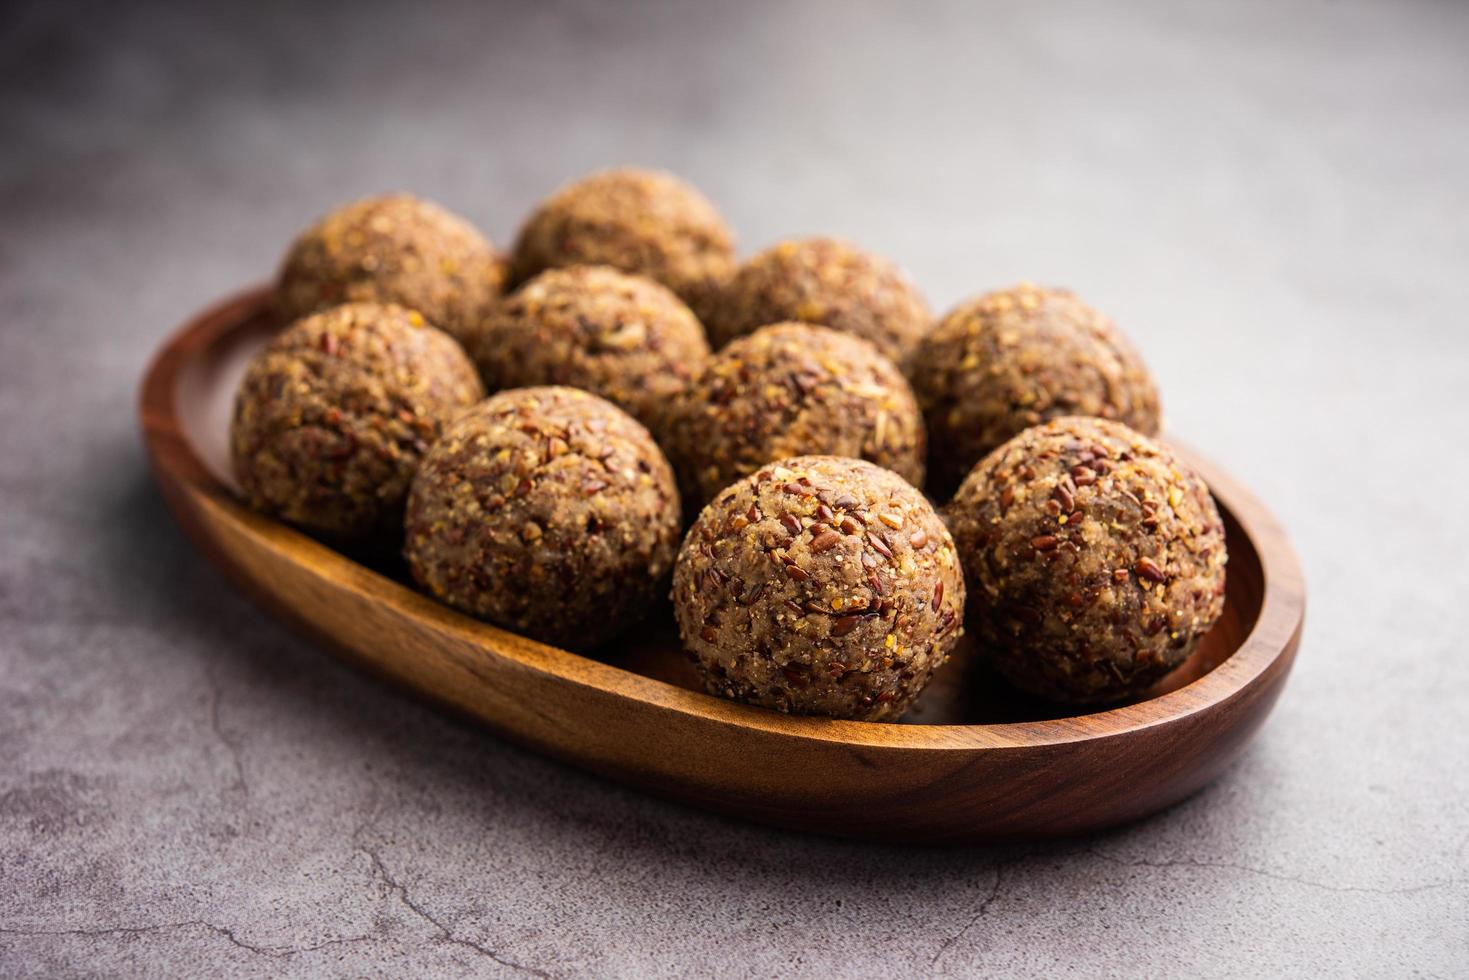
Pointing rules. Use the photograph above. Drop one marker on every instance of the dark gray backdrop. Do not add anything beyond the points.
(1270, 198)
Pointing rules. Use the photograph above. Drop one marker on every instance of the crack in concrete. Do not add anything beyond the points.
(446, 934)
(1002, 870)
(984, 908)
(222, 931)
(380, 870)
(231, 743)
(1275, 876)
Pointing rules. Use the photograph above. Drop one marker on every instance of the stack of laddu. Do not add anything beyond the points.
(775, 478)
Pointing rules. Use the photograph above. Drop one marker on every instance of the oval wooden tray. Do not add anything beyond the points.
(972, 761)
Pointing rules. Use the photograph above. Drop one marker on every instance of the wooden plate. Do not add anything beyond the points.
(972, 761)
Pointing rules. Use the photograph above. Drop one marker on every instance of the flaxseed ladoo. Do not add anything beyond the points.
(792, 389)
(623, 337)
(548, 511)
(819, 585)
(335, 414)
(998, 364)
(644, 222)
(1095, 559)
(393, 249)
(828, 282)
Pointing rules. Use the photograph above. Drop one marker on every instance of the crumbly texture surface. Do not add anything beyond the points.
(1014, 358)
(828, 282)
(792, 389)
(335, 414)
(1095, 559)
(548, 511)
(393, 249)
(623, 337)
(819, 585)
(645, 222)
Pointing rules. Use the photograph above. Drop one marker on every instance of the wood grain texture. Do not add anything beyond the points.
(631, 714)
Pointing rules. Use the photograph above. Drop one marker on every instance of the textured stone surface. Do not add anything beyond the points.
(1269, 199)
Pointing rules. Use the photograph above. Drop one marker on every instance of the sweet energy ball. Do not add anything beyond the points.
(819, 585)
(828, 282)
(393, 249)
(335, 414)
(548, 511)
(1011, 359)
(1095, 559)
(792, 389)
(623, 337)
(644, 222)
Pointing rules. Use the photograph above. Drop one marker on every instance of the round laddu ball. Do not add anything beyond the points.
(1011, 359)
(792, 389)
(644, 222)
(623, 337)
(393, 249)
(1095, 559)
(819, 585)
(335, 414)
(827, 282)
(547, 511)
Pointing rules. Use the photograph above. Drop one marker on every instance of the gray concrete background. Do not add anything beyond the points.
(1270, 198)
